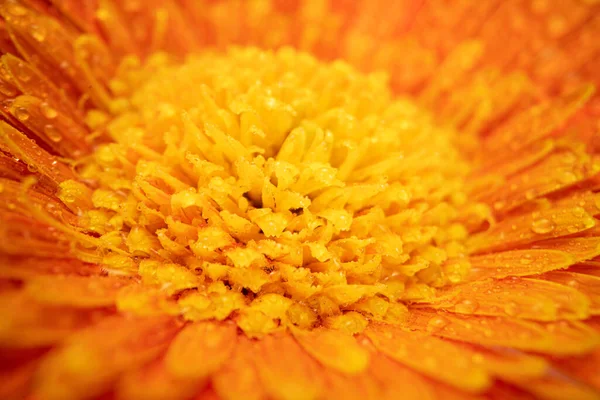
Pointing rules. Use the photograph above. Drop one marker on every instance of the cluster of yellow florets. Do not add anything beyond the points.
(272, 188)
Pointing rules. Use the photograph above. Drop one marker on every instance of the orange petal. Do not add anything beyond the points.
(37, 159)
(154, 382)
(518, 263)
(557, 171)
(588, 268)
(200, 349)
(581, 248)
(587, 200)
(238, 379)
(396, 378)
(15, 381)
(357, 387)
(80, 13)
(557, 386)
(27, 324)
(57, 130)
(90, 361)
(75, 291)
(515, 297)
(538, 122)
(430, 356)
(559, 338)
(334, 349)
(506, 364)
(286, 371)
(509, 163)
(584, 368)
(586, 284)
(35, 84)
(524, 229)
(45, 43)
(24, 268)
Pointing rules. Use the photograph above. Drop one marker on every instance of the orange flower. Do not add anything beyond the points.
(320, 199)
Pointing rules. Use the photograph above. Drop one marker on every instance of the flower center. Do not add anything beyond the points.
(273, 189)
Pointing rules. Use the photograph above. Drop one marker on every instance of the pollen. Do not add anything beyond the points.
(272, 189)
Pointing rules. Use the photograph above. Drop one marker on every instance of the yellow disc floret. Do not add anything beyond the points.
(272, 189)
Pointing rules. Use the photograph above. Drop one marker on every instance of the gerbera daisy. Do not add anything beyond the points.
(320, 199)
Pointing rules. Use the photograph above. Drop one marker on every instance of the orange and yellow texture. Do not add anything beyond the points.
(289, 200)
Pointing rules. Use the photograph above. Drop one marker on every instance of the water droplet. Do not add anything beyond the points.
(7, 91)
(579, 212)
(32, 168)
(21, 114)
(511, 308)
(526, 259)
(48, 111)
(530, 194)
(437, 323)
(573, 283)
(466, 307)
(498, 205)
(23, 73)
(38, 32)
(567, 177)
(542, 226)
(52, 133)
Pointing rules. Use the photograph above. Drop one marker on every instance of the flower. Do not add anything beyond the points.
(299, 199)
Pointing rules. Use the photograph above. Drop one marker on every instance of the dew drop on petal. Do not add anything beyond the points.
(542, 226)
(526, 259)
(7, 91)
(466, 306)
(498, 205)
(21, 114)
(511, 308)
(530, 194)
(567, 177)
(437, 323)
(38, 32)
(48, 111)
(573, 283)
(52, 133)
(23, 73)
(579, 212)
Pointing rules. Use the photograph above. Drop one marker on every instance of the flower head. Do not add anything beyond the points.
(298, 200)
